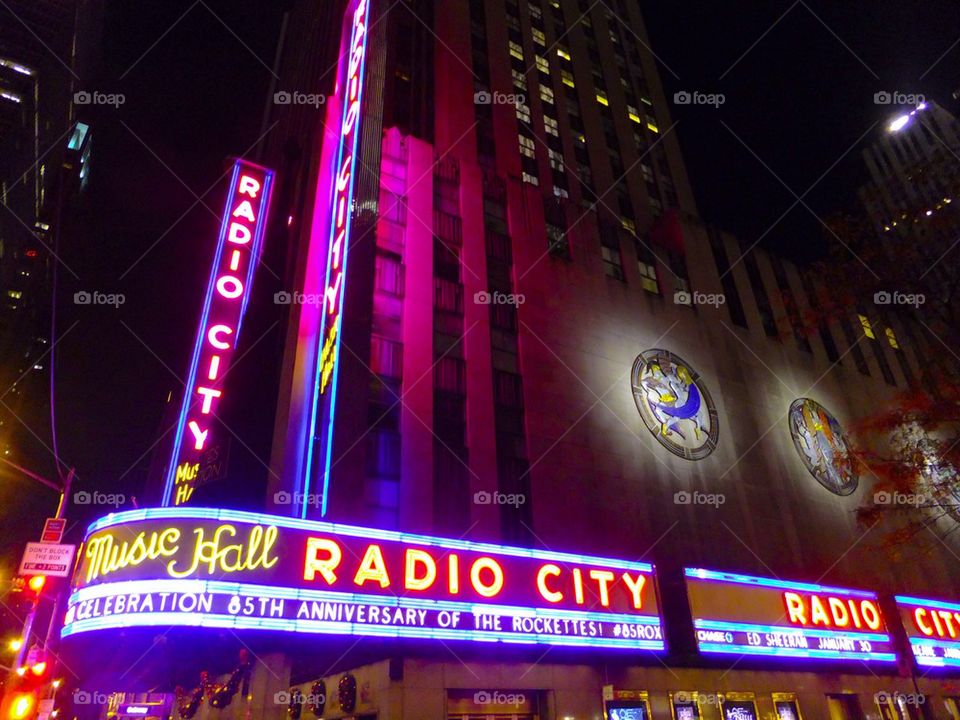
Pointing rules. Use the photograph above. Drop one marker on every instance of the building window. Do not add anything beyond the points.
(388, 274)
(892, 338)
(542, 65)
(530, 178)
(760, 296)
(567, 78)
(539, 37)
(727, 281)
(516, 50)
(546, 94)
(853, 343)
(519, 80)
(523, 113)
(610, 252)
(866, 326)
(551, 126)
(527, 147)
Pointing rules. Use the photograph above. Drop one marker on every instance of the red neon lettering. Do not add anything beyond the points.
(493, 588)
(239, 234)
(871, 614)
(245, 210)
(919, 619)
(372, 568)
(248, 186)
(453, 574)
(795, 610)
(333, 293)
(839, 612)
(636, 589)
(199, 437)
(412, 580)
(229, 287)
(213, 336)
(578, 586)
(235, 260)
(214, 368)
(549, 595)
(603, 578)
(208, 395)
(316, 563)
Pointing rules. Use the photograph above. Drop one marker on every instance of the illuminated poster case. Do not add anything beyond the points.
(223, 568)
(933, 628)
(745, 615)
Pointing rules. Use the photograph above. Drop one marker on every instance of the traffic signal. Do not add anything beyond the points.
(22, 705)
(36, 583)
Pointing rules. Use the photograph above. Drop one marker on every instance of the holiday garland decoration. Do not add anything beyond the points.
(318, 698)
(347, 693)
(219, 695)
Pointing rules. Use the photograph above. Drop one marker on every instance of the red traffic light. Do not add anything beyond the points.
(37, 582)
(22, 705)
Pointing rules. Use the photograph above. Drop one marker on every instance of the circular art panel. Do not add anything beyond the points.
(675, 404)
(823, 446)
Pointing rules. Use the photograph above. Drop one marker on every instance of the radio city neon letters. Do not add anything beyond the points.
(201, 567)
(341, 178)
(228, 291)
(832, 612)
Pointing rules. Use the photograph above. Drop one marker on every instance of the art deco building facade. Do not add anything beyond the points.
(542, 346)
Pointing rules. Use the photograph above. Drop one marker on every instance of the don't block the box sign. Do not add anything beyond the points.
(745, 615)
(223, 568)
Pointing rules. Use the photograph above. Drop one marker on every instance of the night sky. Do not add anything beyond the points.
(195, 78)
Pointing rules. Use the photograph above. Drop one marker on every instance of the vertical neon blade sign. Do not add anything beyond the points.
(228, 292)
(350, 88)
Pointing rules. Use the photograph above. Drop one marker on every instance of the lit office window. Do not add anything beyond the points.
(867, 327)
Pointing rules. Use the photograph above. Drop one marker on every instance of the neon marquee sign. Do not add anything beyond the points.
(223, 568)
(228, 292)
(746, 615)
(933, 628)
(341, 181)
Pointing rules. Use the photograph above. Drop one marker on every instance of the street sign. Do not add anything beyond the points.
(47, 559)
(53, 530)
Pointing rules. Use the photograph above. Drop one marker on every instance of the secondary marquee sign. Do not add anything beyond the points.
(223, 568)
(754, 616)
(933, 628)
(235, 258)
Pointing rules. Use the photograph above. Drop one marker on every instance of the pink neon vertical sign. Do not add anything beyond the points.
(228, 292)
